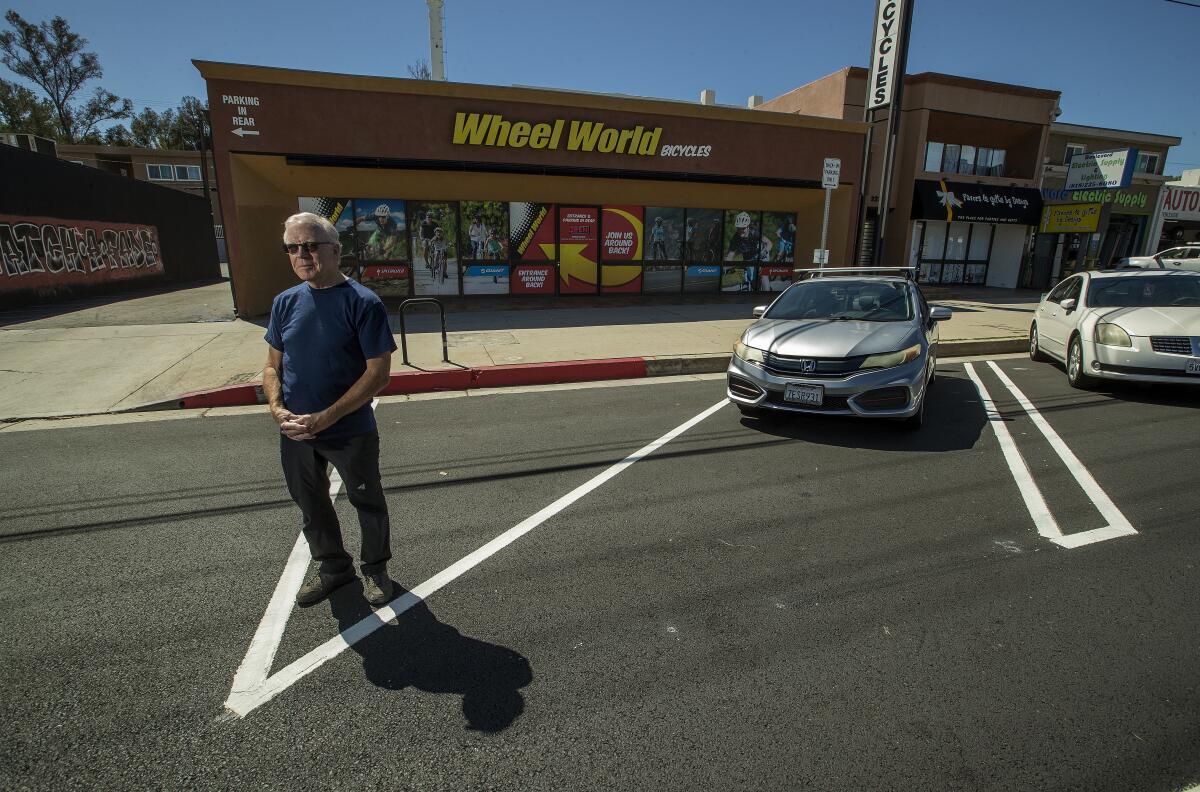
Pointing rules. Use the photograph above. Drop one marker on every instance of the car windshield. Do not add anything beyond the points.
(1157, 291)
(844, 298)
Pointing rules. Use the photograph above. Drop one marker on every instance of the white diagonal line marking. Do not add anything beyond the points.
(1043, 520)
(1118, 525)
(242, 702)
(257, 663)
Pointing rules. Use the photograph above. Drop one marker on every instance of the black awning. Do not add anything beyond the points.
(976, 203)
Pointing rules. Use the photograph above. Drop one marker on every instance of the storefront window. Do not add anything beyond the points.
(983, 161)
(997, 166)
(950, 161)
(953, 252)
(935, 240)
(956, 241)
(981, 242)
(933, 157)
(952, 272)
(966, 159)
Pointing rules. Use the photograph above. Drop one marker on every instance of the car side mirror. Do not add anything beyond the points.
(758, 311)
(939, 313)
(1068, 304)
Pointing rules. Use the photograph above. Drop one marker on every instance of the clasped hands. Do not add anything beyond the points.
(300, 427)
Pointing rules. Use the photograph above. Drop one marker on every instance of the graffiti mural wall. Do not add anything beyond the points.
(46, 252)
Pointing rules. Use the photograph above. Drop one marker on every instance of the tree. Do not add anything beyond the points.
(420, 70)
(178, 128)
(118, 135)
(22, 111)
(51, 57)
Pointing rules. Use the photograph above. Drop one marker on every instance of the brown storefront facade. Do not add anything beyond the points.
(446, 189)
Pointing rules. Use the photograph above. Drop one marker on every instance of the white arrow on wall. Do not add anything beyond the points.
(243, 132)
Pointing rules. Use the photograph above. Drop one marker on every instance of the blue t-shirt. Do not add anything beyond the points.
(326, 336)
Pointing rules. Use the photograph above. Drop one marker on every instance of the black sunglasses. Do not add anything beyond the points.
(294, 247)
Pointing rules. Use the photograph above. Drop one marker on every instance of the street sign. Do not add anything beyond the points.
(820, 256)
(831, 174)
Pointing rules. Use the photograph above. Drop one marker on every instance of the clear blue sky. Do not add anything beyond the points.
(1127, 64)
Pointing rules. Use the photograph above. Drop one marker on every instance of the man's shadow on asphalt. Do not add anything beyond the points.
(421, 652)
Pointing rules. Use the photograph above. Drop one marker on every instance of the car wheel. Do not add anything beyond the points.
(1075, 373)
(1035, 351)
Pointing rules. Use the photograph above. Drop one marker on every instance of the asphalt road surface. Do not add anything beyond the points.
(815, 603)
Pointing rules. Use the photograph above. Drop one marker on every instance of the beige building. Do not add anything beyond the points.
(1089, 229)
(179, 170)
(964, 202)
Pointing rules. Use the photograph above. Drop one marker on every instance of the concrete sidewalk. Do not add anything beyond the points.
(128, 353)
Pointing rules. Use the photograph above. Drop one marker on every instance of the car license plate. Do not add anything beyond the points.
(1193, 366)
(811, 395)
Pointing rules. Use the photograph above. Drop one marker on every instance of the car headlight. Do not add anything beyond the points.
(748, 353)
(1112, 335)
(891, 359)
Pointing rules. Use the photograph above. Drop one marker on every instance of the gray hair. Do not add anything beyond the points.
(310, 220)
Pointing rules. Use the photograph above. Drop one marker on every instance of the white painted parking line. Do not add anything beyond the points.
(1118, 525)
(1043, 520)
(1046, 525)
(256, 665)
(244, 700)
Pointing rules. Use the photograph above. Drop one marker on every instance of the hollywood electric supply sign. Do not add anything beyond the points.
(493, 129)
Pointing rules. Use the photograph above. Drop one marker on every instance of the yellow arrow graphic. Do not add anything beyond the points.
(573, 264)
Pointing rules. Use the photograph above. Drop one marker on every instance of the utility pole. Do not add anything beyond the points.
(437, 65)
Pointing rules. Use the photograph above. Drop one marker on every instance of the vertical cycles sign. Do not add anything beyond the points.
(882, 81)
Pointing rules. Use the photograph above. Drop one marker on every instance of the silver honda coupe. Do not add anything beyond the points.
(840, 343)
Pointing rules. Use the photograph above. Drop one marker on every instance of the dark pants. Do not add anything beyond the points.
(305, 467)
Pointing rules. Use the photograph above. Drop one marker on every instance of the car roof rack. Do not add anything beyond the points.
(909, 273)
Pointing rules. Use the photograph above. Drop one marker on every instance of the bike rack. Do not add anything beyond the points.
(403, 338)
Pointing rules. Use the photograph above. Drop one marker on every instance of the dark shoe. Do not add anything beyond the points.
(378, 589)
(320, 586)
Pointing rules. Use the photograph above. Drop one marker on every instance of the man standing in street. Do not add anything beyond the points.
(330, 352)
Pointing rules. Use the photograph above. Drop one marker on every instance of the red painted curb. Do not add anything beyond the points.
(427, 381)
(230, 396)
(563, 371)
(451, 380)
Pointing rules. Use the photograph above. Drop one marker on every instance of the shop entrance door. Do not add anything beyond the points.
(1043, 261)
(1121, 235)
(578, 249)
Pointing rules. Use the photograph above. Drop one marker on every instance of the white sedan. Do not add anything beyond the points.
(1122, 325)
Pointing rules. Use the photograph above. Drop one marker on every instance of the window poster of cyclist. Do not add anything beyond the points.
(484, 230)
(338, 211)
(665, 234)
(779, 237)
(381, 229)
(433, 230)
(484, 246)
(778, 248)
(743, 242)
(703, 233)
